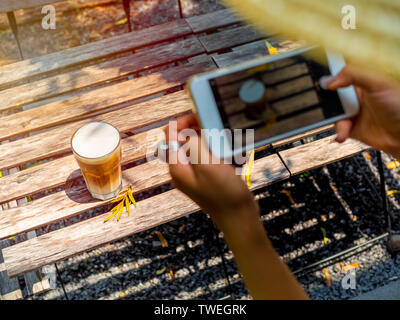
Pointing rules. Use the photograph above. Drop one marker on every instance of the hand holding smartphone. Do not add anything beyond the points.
(270, 99)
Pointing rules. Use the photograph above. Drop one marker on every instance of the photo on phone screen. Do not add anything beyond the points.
(276, 97)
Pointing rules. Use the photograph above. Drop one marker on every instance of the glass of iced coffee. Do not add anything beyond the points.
(97, 149)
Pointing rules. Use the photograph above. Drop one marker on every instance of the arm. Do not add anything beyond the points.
(265, 274)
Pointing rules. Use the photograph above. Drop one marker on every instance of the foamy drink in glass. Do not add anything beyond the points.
(97, 149)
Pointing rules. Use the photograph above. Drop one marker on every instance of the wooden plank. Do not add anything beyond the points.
(63, 111)
(253, 50)
(11, 5)
(213, 20)
(95, 74)
(318, 153)
(302, 136)
(57, 172)
(9, 287)
(230, 38)
(27, 69)
(34, 282)
(32, 15)
(80, 237)
(240, 54)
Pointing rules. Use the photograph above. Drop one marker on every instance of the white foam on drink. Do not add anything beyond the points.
(95, 140)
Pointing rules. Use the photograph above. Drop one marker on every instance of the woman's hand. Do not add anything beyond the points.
(378, 123)
(216, 188)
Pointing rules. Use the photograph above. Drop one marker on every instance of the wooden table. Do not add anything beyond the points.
(135, 82)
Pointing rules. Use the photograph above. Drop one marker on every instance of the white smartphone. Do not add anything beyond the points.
(273, 97)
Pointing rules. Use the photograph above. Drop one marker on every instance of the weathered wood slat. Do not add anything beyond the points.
(9, 288)
(95, 74)
(318, 153)
(63, 204)
(66, 110)
(56, 141)
(58, 171)
(11, 5)
(230, 38)
(27, 69)
(251, 51)
(246, 52)
(213, 20)
(34, 282)
(31, 15)
(92, 233)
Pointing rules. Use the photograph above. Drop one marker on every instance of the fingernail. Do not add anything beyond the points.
(325, 82)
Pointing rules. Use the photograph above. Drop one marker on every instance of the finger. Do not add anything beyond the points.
(181, 171)
(343, 129)
(353, 76)
(182, 174)
(188, 121)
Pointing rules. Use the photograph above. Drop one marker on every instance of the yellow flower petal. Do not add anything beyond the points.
(120, 210)
(122, 21)
(118, 199)
(324, 235)
(393, 164)
(289, 196)
(327, 276)
(249, 167)
(161, 271)
(351, 266)
(392, 192)
(271, 49)
(114, 211)
(164, 242)
(130, 195)
(127, 205)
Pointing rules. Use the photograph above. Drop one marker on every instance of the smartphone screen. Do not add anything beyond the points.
(277, 97)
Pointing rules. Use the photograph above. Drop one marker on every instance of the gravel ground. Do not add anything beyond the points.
(338, 198)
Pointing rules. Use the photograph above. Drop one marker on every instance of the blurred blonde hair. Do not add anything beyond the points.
(374, 44)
